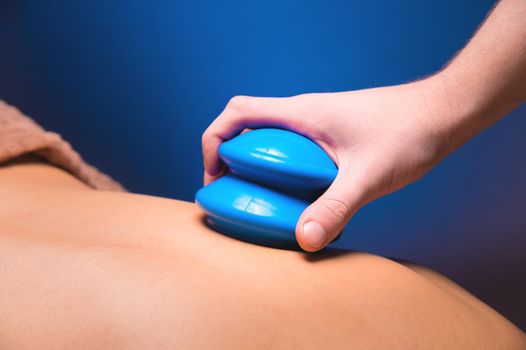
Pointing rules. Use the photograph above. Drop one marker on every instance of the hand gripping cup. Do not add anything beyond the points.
(273, 175)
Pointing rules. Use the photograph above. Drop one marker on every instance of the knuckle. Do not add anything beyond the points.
(338, 208)
(204, 138)
(208, 143)
(237, 102)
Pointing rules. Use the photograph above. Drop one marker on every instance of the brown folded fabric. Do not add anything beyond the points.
(20, 135)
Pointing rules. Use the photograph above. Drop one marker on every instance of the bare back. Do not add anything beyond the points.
(85, 268)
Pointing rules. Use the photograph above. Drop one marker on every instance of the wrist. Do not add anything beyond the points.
(465, 107)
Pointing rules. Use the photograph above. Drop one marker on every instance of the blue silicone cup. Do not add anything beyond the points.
(273, 176)
(279, 158)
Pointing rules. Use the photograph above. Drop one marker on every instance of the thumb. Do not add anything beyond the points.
(324, 219)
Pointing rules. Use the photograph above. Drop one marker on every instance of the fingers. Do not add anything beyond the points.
(324, 219)
(207, 178)
(240, 113)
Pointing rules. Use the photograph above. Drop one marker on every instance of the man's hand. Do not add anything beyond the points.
(381, 139)
(384, 138)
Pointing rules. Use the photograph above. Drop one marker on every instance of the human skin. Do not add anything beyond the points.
(81, 268)
(385, 138)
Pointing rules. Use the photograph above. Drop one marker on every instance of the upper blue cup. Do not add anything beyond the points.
(279, 158)
(273, 176)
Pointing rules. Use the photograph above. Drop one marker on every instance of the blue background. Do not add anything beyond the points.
(132, 84)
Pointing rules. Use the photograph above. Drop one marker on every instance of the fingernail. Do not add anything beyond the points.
(313, 234)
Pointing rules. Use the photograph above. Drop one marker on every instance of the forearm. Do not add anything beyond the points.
(488, 77)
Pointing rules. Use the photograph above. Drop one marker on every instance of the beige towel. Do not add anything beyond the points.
(19, 135)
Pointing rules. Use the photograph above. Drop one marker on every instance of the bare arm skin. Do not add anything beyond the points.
(487, 79)
(385, 138)
(89, 269)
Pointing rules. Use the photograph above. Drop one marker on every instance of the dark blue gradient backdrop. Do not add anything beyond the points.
(133, 84)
